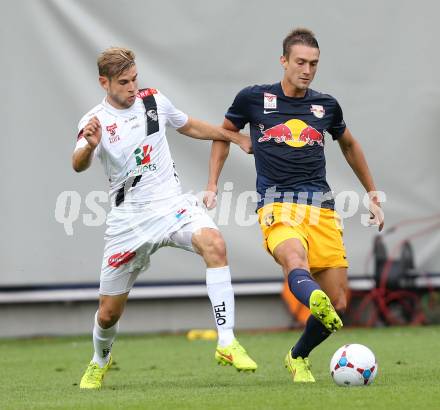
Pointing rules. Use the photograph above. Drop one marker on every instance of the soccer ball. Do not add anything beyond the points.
(353, 365)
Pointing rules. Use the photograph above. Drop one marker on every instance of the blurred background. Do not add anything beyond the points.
(379, 59)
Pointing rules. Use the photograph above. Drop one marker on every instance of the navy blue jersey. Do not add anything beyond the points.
(288, 141)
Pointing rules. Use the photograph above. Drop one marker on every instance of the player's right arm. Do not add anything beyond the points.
(82, 157)
(219, 153)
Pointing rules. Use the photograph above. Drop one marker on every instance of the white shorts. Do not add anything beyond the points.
(134, 232)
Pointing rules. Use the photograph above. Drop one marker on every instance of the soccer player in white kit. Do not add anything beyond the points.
(126, 131)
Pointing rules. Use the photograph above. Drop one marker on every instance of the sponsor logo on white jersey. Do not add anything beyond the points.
(143, 161)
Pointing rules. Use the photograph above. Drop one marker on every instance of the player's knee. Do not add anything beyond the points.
(217, 248)
(292, 261)
(340, 304)
(213, 246)
(108, 317)
(217, 251)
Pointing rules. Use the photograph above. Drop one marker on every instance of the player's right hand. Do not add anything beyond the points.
(92, 132)
(246, 143)
(376, 213)
(210, 197)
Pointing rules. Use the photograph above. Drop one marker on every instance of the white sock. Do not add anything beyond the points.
(221, 294)
(103, 341)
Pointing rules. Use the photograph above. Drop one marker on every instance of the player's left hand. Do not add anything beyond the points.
(377, 216)
(210, 196)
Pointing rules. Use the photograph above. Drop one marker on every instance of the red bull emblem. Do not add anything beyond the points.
(317, 110)
(279, 133)
(295, 133)
(310, 136)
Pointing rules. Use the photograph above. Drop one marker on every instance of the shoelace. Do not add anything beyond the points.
(239, 348)
(91, 372)
(308, 367)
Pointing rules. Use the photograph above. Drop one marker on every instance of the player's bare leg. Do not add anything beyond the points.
(104, 333)
(292, 256)
(334, 282)
(210, 245)
(110, 309)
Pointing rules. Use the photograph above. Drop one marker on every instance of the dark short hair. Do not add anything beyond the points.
(299, 35)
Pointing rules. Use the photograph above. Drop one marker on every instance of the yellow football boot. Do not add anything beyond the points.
(94, 375)
(323, 310)
(235, 355)
(299, 368)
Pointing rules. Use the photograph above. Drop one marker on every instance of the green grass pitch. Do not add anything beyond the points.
(170, 372)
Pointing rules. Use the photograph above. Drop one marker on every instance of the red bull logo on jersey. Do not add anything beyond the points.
(295, 133)
(121, 258)
(311, 136)
(317, 110)
(279, 133)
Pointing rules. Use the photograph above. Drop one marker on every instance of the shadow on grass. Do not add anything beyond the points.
(185, 384)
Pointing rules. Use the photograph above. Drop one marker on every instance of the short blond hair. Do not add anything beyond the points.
(113, 61)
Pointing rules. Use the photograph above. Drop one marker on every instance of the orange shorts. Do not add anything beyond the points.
(318, 229)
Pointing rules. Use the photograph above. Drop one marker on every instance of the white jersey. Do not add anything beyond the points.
(134, 149)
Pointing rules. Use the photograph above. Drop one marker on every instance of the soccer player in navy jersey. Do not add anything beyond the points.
(300, 227)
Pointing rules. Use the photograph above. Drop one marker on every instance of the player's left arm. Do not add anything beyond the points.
(355, 157)
(198, 129)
